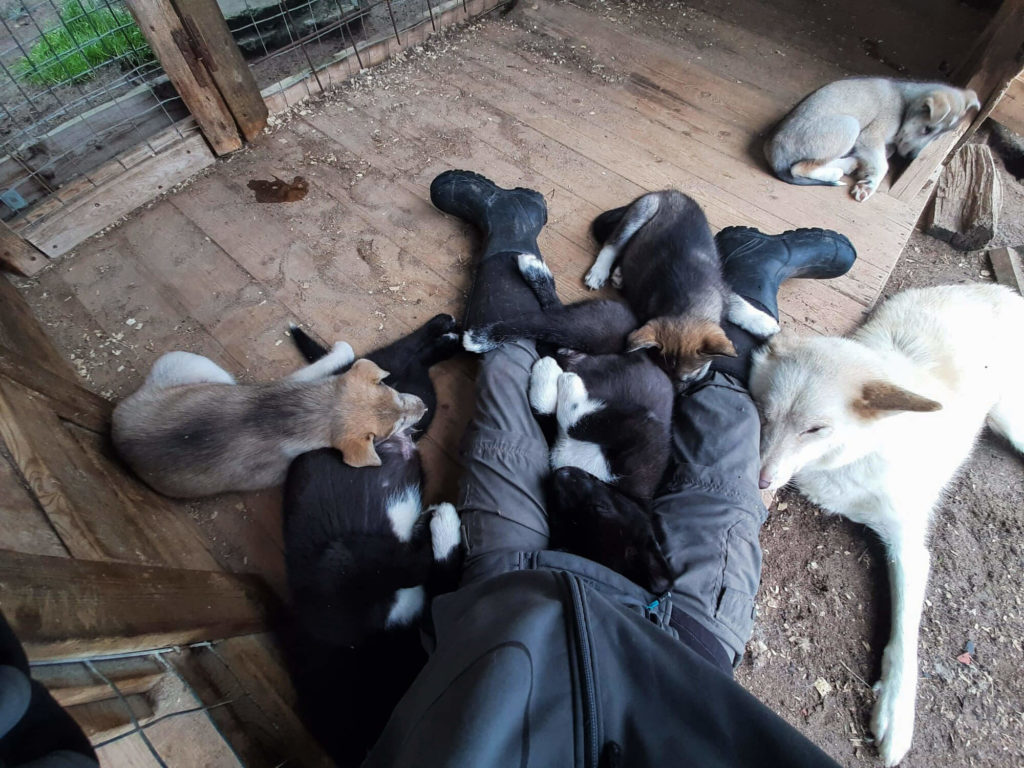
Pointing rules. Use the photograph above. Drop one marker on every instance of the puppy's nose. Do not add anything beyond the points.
(764, 481)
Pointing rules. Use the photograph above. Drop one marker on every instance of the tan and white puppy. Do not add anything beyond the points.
(190, 430)
(873, 426)
(853, 126)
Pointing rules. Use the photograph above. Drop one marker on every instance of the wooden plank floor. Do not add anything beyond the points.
(365, 258)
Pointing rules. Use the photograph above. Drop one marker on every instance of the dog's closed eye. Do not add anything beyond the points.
(815, 430)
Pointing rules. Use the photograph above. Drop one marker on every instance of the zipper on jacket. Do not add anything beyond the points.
(590, 721)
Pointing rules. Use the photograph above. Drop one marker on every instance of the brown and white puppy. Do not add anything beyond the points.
(853, 126)
(190, 430)
(660, 253)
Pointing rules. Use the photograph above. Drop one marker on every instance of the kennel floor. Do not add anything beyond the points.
(554, 97)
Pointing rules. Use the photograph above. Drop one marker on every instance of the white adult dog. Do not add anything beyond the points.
(874, 425)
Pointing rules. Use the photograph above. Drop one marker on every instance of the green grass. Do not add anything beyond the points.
(88, 36)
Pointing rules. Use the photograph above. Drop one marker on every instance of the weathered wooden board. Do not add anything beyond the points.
(17, 255)
(1008, 266)
(87, 213)
(1010, 109)
(64, 608)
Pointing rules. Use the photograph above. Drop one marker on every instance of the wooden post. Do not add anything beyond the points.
(988, 70)
(216, 47)
(17, 255)
(62, 608)
(166, 35)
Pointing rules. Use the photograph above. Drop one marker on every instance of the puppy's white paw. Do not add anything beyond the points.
(892, 720)
(544, 385)
(863, 189)
(445, 530)
(407, 607)
(596, 277)
(572, 398)
(477, 341)
(617, 278)
(742, 313)
(531, 267)
(341, 353)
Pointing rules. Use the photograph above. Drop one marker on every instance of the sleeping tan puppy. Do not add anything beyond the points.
(853, 126)
(190, 430)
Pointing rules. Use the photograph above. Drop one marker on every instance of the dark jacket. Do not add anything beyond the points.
(547, 659)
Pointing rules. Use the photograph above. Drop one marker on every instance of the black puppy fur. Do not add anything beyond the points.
(593, 326)
(623, 409)
(633, 426)
(595, 520)
(345, 563)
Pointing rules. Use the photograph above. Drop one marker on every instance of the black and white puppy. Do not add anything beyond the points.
(613, 412)
(362, 557)
(659, 251)
(613, 415)
(594, 327)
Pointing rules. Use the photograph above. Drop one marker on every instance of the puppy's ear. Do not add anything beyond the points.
(936, 105)
(878, 397)
(644, 337)
(716, 343)
(367, 370)
(358, 450)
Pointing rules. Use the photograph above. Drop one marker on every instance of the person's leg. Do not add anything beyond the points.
(504, 452)
(710, 508)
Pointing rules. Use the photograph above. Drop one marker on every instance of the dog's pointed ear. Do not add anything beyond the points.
(936, 106)
(368, 371)
(717, 344)
(358, 450)
(879, 397)
(644, 337)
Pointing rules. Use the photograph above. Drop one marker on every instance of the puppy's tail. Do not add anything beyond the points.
(802, 181)
(603, 226)
(310, 349)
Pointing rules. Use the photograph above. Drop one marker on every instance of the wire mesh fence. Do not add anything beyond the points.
(291, 40)
(78, 87)
(140, 697)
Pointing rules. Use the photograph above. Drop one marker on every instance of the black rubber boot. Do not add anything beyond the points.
(509, 221)
(756, 264)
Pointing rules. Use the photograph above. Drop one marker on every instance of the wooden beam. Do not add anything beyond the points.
(990, 67)
(17, 255)
(1010, 109)
(21, 332)
(1008, 266)
(212, 39)
(166, 35)
(68, 400)
(62, 608)
(98, 510)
